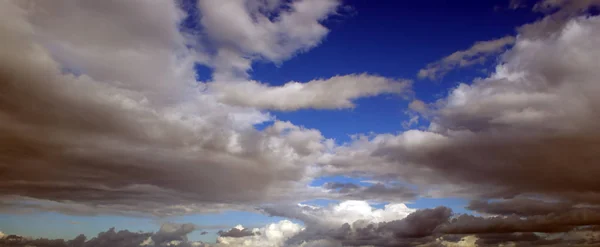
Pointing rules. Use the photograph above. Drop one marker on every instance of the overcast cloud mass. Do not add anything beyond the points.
(102, 113)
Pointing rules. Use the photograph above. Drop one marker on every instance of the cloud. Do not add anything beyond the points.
(168, 235)
(518, 132)
(237, 232)
(508, 141)
(559, 12)
(334, 93)
(476, 54)
(336, 215)
(241, 31)
(376, 192)
(518, 206)
(410, 229)
(172, 232)
(122, 139)
(364, 226)
(272, 235)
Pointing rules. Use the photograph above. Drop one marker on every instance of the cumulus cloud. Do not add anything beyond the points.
(558, 13)
(519, 131)
(241, 31)
(106, 137)
(272, 235)
(334, 93)
(509, 141)
(476, 54)
(336, 215)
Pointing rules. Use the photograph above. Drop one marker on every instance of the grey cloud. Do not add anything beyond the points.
(341, 187)
(237, 232)
(333, 93)
(172, 232)
(417, 228)
(518, 206)
(559, 12)
(375, 192)
(171, 235)
(524, 130)
(550, 223)
(478, 53)
(110, 143)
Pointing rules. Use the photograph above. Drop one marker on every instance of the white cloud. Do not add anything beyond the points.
(478, 53)
(244, 30)
(336, 215)
(272, 235)
(333, 93)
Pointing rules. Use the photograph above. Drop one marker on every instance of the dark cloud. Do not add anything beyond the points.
(168, 235)
(524, 131)
(375, 192)
(237, 232)
(519, 206)
(342, 187)
(416, 228)
(172, 232)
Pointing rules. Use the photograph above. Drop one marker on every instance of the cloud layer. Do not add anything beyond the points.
(113, 121)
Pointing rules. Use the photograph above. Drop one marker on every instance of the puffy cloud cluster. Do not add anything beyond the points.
(116, 124)
(522, 142)
(522, 131)
(336, 215)
(241, 31)
(272, 235)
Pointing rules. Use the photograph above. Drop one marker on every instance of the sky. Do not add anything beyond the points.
(299, 123)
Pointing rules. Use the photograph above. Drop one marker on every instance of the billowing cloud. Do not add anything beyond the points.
(336, 215)
(520, 131)
(334, 93)
(241, 31)
(476, 54)
(272, 235)
(116, 140)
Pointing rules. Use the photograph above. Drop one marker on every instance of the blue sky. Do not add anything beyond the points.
(196, 152)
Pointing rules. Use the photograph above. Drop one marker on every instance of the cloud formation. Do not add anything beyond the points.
(476, 54)
(241, 31)
(333, 93)
(102, 138)
(520, 131)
